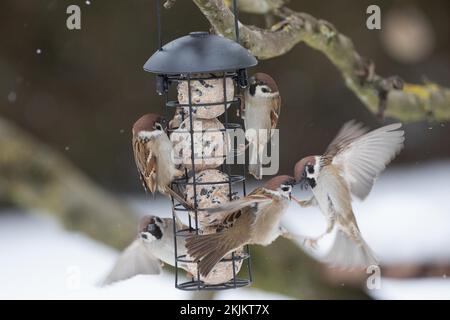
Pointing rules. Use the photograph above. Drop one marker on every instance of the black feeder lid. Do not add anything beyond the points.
(199, 52)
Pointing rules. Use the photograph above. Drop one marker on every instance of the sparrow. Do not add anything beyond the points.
(261, 109)
(254, 219)
(153, 246)
(153, 154)
(349, 166)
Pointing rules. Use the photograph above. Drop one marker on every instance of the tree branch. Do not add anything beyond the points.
(32, 175)
(413, 103)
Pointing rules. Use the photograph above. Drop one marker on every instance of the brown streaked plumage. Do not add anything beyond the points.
(153, 154)
(350, 165)
(254, 219)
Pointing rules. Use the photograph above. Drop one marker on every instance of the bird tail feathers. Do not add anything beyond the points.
(255, 160)
(348, 254)
(209, 249)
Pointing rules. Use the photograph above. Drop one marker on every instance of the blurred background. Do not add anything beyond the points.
(77, 93)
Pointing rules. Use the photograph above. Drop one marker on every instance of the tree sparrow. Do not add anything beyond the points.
(350, 165)
(254, 219)
(261, 109)
(153, 154)
(155, 244)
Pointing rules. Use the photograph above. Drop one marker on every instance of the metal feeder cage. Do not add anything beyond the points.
(189, 59)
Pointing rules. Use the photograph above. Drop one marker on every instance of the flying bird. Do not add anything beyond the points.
(254, 219)
(349, 166)
(154, 245)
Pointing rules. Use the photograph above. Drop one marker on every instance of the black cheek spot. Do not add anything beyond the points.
(155, 231)
(312, 182)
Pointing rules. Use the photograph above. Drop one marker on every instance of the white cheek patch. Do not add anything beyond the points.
(266, 94)
(149, 134)
(316, 171)
(147, 237)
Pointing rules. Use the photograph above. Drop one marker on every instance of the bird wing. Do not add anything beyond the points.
(362, 156)
(255, 197)
(336, 192)
(134, 260)
(209, 249)
(349, 249)
(275, 111)
(146, 164)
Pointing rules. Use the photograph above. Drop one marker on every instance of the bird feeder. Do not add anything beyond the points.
(200, 76)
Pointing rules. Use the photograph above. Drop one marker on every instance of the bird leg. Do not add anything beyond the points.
(177, 197)
(306, 203)
(290, 236)
(312, 242)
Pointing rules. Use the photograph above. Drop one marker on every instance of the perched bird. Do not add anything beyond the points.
(254, 219)
(261, 109)
(153, 154)
(155, 244)
(350, 166)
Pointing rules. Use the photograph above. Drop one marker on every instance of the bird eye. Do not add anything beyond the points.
(285, 189)
(265, 90)
(158, 220)
(311, 169)
(158, 126)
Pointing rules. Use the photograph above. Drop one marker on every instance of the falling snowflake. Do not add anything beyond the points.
(67, 148)
(38, 51)
(88, 2)
(12, 97)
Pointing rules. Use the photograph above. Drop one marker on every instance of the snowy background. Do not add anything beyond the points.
(406, 218)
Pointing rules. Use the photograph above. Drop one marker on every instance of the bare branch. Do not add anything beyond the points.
(259, 6)
(413, 103)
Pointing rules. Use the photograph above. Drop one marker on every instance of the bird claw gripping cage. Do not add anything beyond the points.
(219, 63)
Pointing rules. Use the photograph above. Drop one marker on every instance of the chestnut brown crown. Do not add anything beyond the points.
(274, 183)
(264, 78)
(147, 123)
(300, 167)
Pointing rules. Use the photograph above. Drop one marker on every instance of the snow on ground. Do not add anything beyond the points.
(40, 260)
(406, 218)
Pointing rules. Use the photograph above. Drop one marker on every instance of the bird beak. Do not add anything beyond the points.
(303, 183)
